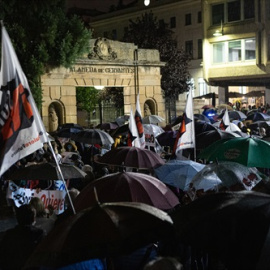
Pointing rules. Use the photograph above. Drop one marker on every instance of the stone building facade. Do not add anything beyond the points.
(108, 64)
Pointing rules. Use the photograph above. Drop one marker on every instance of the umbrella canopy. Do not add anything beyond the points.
(167, 138)
(121, 120)
(47, 171)
(251, 152)
(70, 125)
(93, 136)
(201, 127)
(127, 187)
(133, 157)
(108, 126)
(201, 117)
(225, 175)
(258, 116)
(225, 106)
(152, 119)
(178, 173)
(122, 130)
(105, 230)
(151, 128)
(235, 115)
(231, 227)
(206, 138)
(67, 132)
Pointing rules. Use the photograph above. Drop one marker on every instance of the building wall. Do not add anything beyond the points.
(109, 63)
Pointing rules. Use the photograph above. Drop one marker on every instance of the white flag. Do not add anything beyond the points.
(138, 121)
(21, 129)
(225, 122)
(133, 136)
(186, 133)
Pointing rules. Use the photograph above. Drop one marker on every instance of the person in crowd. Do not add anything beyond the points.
(43, 220)
(19, 242)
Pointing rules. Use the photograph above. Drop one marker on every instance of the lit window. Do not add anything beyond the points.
(235, 51)
(219, 52)
(188, 19)
(202, 87)
(250, 49)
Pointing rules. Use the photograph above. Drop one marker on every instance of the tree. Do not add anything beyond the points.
(87, 99)
(44, 37)
(148, 33)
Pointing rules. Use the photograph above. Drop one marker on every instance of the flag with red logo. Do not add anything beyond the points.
(225, 121)
(133, 137)
(186, 133)
(138, 120)
(21, 129)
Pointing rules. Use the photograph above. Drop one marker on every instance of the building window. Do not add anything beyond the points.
(233, 51)
(249, 9)
(200, 50)
(219, 52)
(250, 49)
(199, 19)
(188, 19)
(234, 9)
(161, 23)
(189, 48)
(217, 14)
(173, 22)
(203, 88)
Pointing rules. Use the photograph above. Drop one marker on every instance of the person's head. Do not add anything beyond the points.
(38, 205)
(25, 215)
(162, 263)
(73, 193)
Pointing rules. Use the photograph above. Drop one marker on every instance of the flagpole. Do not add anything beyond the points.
(61, 175)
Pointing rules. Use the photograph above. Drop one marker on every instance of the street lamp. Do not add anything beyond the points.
(146, 2)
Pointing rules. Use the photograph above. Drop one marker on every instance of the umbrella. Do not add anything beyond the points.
(201, 117)
(202, 127)
(122, 130)
(70, 125)
(93, 136)
(251, 152)
(178, 173)
(121, 120)
(108, 126)
(225, 106)
(127, 187)
(47, 171)
(230, 226)
(258, 116)
(208, 137)
(167, 138)
(67, 132)
(207, 106)
(151, 128)
(152, 119)
(133, 157)
(235, 115)
(105, 230)
(225, 175)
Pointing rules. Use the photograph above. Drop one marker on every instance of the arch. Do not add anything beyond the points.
(150, 105)
(56, 115)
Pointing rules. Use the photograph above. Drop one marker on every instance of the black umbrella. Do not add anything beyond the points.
(93, 136)
(47, 171)
(67, 132)
(105, 230)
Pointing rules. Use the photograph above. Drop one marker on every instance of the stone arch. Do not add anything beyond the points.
(58, 117)
(151, 105)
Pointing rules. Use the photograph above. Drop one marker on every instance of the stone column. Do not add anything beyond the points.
(223, 94)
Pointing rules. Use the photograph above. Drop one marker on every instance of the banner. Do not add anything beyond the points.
(21, 196)
(186, 133)
(21, 129)
(138, 120)
(133, 137)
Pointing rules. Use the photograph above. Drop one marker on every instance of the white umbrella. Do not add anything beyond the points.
(150, 128)
(152, 119)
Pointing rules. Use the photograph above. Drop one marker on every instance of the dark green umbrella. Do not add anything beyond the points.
(249, 151)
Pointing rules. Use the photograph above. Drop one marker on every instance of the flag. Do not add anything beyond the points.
(138, 120)
(186, 133)
(225, 121)
(21, 129)
(133, 137)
